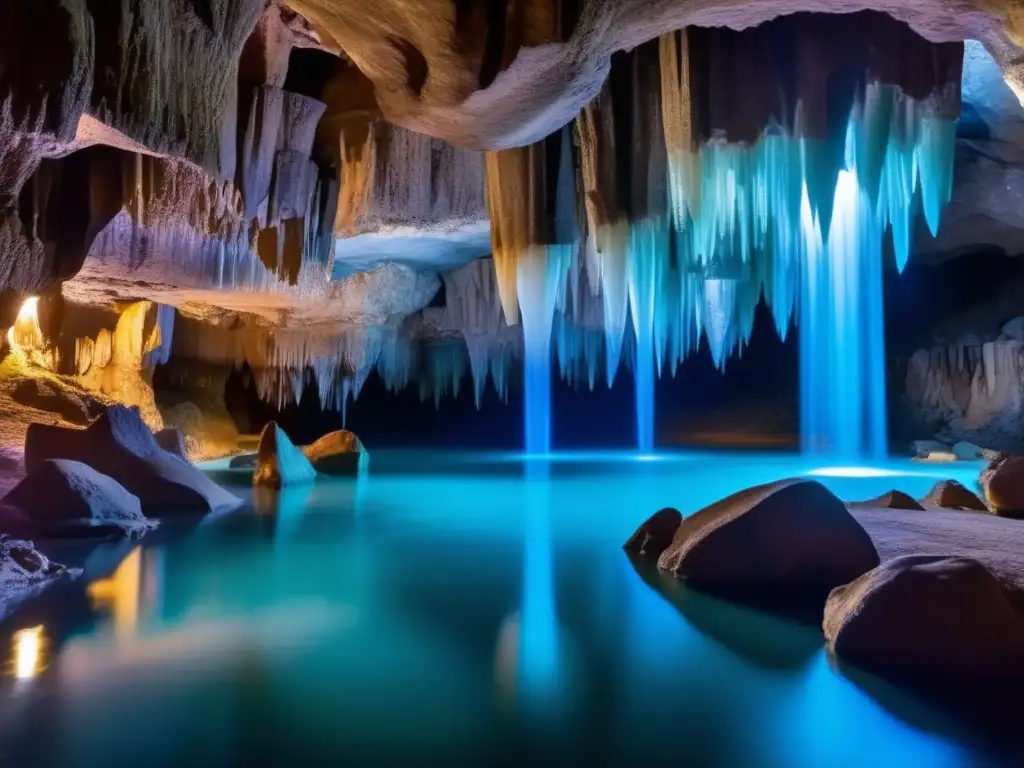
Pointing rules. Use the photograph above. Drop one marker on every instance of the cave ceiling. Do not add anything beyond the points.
(232, 157)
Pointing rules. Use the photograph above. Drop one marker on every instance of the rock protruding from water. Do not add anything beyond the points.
(949, 494)
(338, 453)
(895, 500)
(120, 445)
(1003, 484)
(656, 534)
(279, 462)
(791, 534)
(24, 571)
(67, 498)
(927, 616)
(921, 448)
(244, 461)
(965, 451)
(172, 441)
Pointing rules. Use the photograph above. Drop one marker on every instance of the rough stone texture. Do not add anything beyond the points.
(788, 534)
(119, 444)
(24, 571)
(172, 441)
(922, 448)
(965, 451)
(927, 616)
(894, 500)
(949, 494)
(67, 498)
(1003, 484)
(482, 78)
(656, 534)
(279, 462)
(338, 453)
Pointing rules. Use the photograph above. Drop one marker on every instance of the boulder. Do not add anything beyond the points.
(921, 448)
(894, 500)
(1003, 484)
(279, 462)
(653, 537)
(927, 616)
(788, 534)
(965, 451)
(120, 445)
(24, 571)
(949, 494)
(67, 498)
(338, 453)
(172, 441)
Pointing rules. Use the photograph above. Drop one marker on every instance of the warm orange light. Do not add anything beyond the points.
(29, 645)
(120, 594)
(26, 333)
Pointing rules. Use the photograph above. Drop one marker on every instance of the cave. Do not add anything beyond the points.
(511, 382)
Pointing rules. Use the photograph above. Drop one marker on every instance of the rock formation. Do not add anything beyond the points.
(793, 534)
(279, 462)
(61, 498)
(927, 617)
(337, 453)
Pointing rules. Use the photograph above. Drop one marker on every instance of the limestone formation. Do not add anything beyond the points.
(927, 617)
(172, 441)
(792, 534)
(61, 498)
(337, 453)
(655, 535)
(24, 571)
(279, 462)
(120, 445)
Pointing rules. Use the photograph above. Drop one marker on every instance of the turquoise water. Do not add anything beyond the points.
(448, 609)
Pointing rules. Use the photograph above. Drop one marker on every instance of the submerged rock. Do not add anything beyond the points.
(654, 536)
(1003, 483)
(338, 453)
(965, 451)
(949, 494)
(927, 616)
(120, 445)
(24, 571)
(894, 500)
(244, 461)
(172, 441)
(279, 462)
(787, 534)
(67, 498)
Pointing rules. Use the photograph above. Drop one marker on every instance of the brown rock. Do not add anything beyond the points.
(1003, 484)
(927, 616)
(654, 536)
(338, 453)
(791, 534)
(895, 500)
(949, 494)
(279, 462)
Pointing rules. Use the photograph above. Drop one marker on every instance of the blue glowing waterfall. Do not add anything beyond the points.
(842, 347)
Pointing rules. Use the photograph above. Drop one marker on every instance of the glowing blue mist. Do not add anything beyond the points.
(842, 347)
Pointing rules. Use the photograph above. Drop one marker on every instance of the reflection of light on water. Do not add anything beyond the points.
(120, 594)
(28, 652)
(854, 472)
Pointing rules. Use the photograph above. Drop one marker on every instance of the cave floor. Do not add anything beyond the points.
(474, 609)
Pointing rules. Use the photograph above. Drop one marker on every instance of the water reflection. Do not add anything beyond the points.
(29, 652)
(133, 590)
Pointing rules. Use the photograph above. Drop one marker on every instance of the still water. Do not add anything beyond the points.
(447, 609)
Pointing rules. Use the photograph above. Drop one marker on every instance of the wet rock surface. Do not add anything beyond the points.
(927, 616)
(279, 462)
(60, 498)
(656, 534)
(791, 534)
(338, 453)
(120, 445)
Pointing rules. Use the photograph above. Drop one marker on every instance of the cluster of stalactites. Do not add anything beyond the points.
(395, 177)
